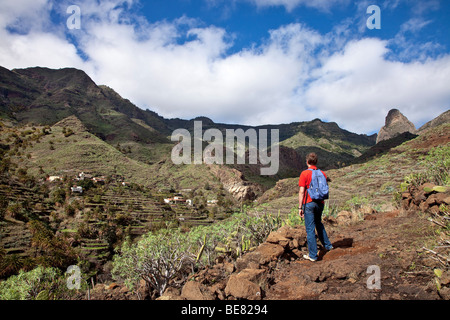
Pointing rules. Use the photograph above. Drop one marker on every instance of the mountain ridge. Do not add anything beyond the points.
(105, 136)
(44, 96)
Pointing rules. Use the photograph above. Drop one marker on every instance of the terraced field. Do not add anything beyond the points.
(15, 237)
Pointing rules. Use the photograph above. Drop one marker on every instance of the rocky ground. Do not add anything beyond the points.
(396, 255)
(392, 241)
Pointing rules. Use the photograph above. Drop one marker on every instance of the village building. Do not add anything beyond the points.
(77, 189)
(212, 202)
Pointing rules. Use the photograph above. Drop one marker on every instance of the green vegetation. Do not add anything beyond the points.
(123, 223)
(38, 284)
(437, 167)
(159, 257)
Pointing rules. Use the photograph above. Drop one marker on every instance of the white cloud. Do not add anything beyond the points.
(23, 14)
(196, 77)
(358, 86)
(37, 49)
(182, 68)
(324, 5)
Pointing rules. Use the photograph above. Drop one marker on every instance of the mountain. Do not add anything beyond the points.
(441, 119)
(55, 124)
(370, 181)
(396, 123)
(42, 96)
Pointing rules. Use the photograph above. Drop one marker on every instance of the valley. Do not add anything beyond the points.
(86, 178)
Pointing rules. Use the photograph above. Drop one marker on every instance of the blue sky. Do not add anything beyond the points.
(247, 61)
(250, 23)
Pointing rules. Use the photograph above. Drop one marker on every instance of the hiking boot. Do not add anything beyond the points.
(307, 257)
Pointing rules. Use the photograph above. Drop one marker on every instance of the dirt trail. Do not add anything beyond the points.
(390, 241)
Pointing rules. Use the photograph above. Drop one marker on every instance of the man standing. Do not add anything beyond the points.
(313, 211)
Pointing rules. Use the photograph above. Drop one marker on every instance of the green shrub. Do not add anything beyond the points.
(161, 256)
(69, 210)
(156, 258)
(40, 283)
(437, 168)
(59, 195)
(438, 165)
(53, 251)
(28, 285)
(17, 211)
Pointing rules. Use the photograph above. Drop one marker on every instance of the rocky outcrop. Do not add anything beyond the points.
(396, 123)
(235, 183)
(426, 198)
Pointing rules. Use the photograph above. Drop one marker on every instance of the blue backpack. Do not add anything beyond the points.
(318, 188)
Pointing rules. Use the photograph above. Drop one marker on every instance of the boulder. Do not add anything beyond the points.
(277, 238)
(436, 199)
(419, 197)
(241, 288)
(289, 237)
(447, 200)
(258, 276)
(269, 252)
(194, 290)
(265, 253)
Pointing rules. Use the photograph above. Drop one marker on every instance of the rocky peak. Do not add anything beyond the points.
(396, 123)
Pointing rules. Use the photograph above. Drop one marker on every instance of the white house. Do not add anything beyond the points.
(212, 202)
(77, 189)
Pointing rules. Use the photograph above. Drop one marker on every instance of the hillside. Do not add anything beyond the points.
(86, 177)
(369, 183)
(41, 96)
(382, 251)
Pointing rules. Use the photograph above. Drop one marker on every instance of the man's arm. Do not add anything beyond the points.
(301, 198)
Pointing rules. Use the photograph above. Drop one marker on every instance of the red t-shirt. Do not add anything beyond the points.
(305, 180)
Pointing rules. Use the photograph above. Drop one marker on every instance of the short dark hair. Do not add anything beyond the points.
(311, 159)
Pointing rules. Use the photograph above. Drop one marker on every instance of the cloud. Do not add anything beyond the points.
(324, 5)
(357, 87)
(182, 68)
(37, 49)
(23, 15)
(196, 77)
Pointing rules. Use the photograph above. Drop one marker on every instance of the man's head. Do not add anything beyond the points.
(311, 159)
